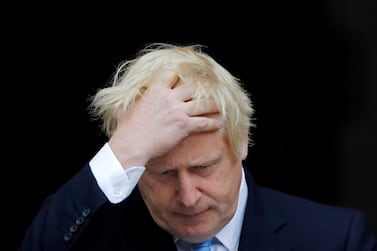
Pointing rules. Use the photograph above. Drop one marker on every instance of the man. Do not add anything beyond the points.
(171, 173)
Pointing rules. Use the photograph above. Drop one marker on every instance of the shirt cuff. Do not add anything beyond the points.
(115, 182)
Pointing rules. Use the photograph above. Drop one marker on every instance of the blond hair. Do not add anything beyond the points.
(191, 63)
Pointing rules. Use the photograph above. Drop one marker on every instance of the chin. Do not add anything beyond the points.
(195, 234)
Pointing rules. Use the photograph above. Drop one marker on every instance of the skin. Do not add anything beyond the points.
(192, 191)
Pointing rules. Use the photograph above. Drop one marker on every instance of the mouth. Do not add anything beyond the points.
(192, 215)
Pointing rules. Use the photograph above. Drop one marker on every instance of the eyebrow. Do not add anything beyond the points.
(208, 162)
(163, 168)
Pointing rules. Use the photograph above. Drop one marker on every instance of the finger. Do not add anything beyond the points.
(205, 124)
(200, 107)
(167, 78)
(183, 91)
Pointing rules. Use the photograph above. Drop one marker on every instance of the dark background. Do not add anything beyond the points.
(310, 66)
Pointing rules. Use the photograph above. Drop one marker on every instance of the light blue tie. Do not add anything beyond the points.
(203, 246)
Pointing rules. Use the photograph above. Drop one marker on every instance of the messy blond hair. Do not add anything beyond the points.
(191, 63)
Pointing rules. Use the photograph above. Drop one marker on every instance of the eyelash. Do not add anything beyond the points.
(201, 167)
(165, 173)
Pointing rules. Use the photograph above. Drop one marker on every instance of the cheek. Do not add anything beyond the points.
(145, 184)
(154, 194)
(227, 184)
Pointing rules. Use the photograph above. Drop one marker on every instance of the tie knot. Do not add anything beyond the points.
(202, 246)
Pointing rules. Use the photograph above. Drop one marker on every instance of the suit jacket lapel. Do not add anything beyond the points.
(264, 228)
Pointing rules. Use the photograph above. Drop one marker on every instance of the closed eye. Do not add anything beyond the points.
(167, 172)
(204, 169)
(201, 168)
(163, 172)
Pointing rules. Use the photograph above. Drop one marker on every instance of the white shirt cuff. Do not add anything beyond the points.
(115, 182)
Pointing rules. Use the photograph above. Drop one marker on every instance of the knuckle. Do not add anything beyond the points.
(203, 123)
(182, 121)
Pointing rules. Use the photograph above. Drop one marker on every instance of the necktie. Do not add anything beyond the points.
(203, 246)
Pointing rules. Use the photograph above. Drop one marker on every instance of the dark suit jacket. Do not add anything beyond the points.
(79, 217)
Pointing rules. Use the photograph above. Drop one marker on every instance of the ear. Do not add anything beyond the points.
(245, 150)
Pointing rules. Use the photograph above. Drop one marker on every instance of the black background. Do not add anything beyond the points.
(310, 66)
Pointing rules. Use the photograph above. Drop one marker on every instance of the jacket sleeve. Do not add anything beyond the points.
(360, 236)
(64, 214)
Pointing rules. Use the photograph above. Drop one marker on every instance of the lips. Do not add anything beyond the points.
(192, 214)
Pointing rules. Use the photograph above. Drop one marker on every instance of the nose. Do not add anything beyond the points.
(188, 193)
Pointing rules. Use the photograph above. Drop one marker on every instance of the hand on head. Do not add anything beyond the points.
(159, 119)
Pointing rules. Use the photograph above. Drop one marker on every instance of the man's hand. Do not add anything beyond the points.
(162, 117)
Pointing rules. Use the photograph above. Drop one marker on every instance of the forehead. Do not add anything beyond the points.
(204, 139)
(195, 149)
